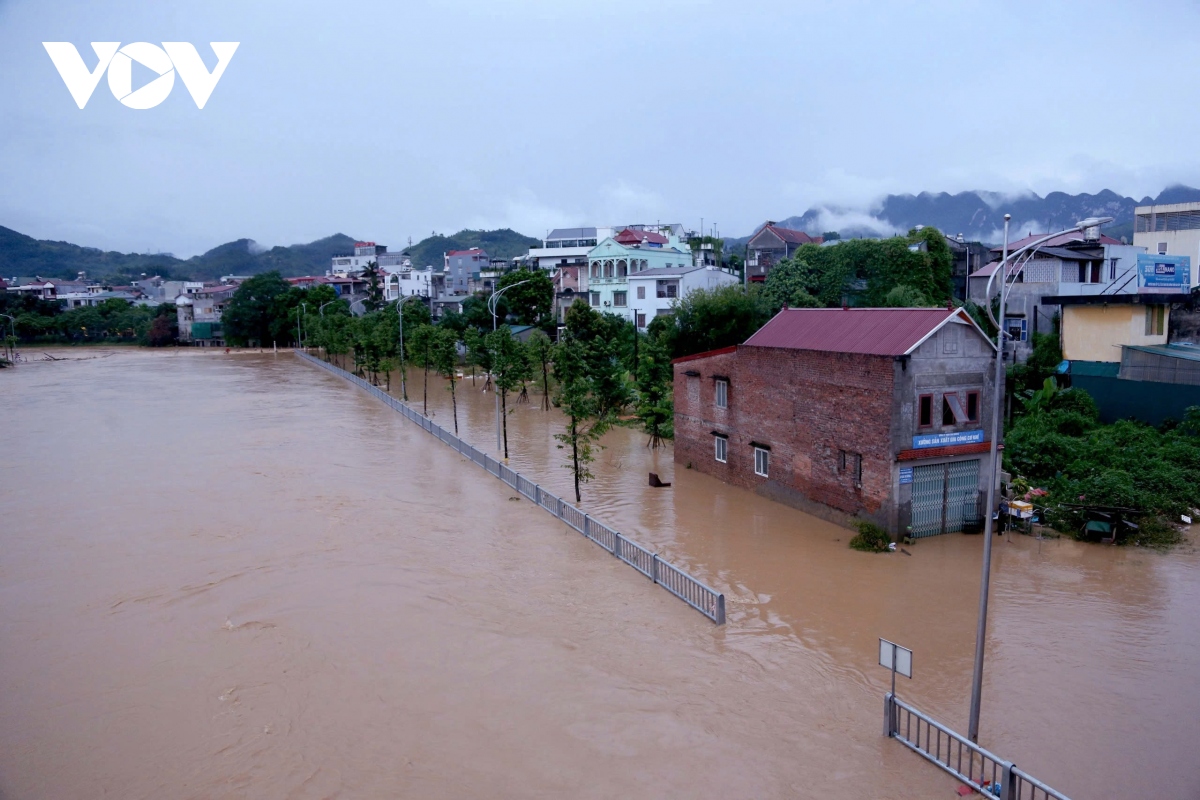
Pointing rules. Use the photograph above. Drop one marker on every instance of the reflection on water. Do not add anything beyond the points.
(237, 576)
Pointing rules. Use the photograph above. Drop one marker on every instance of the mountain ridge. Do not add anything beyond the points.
(979, 214)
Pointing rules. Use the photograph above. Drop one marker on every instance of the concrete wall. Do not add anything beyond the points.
(1096, 333)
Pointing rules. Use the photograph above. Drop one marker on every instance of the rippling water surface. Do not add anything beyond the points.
(236, 576)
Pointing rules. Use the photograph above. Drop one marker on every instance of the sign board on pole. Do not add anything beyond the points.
(1164, 273)
(895, 657)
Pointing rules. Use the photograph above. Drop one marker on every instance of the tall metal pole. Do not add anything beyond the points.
(981, 631)
(403, 363)
(493, 301)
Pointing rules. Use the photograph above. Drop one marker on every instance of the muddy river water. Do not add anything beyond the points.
(237, 576)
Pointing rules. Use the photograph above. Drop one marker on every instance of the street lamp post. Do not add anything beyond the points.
(492, 301)
(403, 364)
(1006, 281)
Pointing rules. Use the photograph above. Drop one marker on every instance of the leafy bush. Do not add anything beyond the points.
(871, 538)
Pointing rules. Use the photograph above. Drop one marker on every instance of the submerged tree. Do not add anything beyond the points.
(576, 396)
(655, 382)
(420, 345)
(541, 354)
(443, 350)
(510, 370)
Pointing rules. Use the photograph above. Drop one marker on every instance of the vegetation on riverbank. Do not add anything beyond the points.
(114, 321)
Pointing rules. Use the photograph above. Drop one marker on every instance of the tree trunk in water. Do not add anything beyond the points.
(425, 399)
(388, 380)
(504, 420)
(575, 459)
(545, 386)
(454, 405)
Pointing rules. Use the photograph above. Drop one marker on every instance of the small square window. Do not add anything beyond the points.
(641, 293)
(722, 394)
(1162, 248)
(721, 448)
(762, 462)
(619, 300)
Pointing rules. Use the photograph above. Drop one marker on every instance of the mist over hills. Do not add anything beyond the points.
(979, 215)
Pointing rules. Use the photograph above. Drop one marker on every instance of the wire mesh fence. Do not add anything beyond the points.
(678, 582)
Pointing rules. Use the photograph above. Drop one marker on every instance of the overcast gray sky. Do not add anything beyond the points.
(386, 120)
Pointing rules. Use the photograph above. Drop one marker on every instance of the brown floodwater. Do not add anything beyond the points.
(238, 576)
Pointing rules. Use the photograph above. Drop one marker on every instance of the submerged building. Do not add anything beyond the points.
(867, 413)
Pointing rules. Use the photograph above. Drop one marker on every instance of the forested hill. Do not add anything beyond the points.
(24, 256)
(503, 243)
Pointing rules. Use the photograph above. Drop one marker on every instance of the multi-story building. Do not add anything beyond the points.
(1170, 230)
(364, 254)
(459, 266)
(653, 292)
(199, 316)
(1071, 265)
(869, 413)
(566, 247)
(409, 282)
(770, 245)
(611, 262)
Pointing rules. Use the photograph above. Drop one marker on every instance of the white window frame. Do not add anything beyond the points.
(721, 393)
(762, 462)
(721, 449)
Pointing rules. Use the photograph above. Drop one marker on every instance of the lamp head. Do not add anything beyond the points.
(1091, 227)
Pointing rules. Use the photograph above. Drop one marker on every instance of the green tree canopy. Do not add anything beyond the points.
(251, 313)
(531, 302)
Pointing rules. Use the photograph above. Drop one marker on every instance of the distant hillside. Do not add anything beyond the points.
(980, 215)
(24, 256)
(244, 257)
(503, 243)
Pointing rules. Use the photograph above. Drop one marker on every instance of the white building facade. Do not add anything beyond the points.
(1170, 230)
(653, 292)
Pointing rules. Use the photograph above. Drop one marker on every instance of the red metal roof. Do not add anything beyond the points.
(718, 352)
(865, 331)
(630, 236)
(792, 237)
(470, 252)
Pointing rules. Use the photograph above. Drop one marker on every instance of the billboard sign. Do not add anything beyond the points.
(947, 439)
(1164, 273)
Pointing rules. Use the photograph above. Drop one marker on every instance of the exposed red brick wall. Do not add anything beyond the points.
(806, 406)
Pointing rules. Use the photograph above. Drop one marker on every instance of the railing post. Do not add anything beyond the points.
(1008, 784)
(616, 551)
(537, 494)
(558, 512)
(888, 717)
(587, 526)
(654, 567)
(720, 620)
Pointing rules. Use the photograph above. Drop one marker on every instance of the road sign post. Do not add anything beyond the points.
(897, 659)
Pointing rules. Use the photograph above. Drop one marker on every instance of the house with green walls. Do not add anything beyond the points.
(628, 252)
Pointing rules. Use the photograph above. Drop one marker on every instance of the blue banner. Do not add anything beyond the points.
(1164, 273)
(947, 439)
(906, 475)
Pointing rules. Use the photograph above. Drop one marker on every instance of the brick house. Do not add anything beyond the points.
(874, 413)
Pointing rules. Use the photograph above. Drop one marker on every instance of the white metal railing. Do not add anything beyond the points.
(678, 582)
(975, 766)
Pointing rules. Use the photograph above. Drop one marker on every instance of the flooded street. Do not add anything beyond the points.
(238, 576)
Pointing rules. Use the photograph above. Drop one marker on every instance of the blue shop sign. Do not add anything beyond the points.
(1164, 273)
(947, 439)
(906, 475)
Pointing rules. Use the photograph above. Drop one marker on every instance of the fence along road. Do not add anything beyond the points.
(699, 596)
(983, 771)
